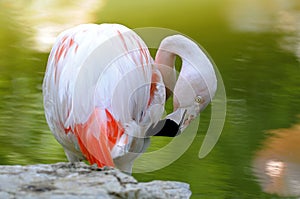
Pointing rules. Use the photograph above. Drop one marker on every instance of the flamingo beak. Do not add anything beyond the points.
(168, 127)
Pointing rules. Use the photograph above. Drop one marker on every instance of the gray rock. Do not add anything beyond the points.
(66, 180)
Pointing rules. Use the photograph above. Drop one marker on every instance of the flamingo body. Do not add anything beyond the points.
(103, 93)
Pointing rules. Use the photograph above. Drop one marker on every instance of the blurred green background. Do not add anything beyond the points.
(255, 45)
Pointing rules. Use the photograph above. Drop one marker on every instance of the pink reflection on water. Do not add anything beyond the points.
(277, 164)
(274, 168)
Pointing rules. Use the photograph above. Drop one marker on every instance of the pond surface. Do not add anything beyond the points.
(256, 47)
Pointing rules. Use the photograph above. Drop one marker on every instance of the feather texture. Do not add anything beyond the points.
(104, 95)
(98, 93)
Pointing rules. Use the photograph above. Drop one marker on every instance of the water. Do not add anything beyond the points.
(255, 45)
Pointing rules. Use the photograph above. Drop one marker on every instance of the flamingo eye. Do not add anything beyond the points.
(199, 99)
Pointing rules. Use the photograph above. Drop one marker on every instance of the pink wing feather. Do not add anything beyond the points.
(97, 83)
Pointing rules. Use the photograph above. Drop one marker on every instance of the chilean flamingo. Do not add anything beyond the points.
(104, 95)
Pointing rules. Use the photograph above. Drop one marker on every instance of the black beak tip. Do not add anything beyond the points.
(166, 128)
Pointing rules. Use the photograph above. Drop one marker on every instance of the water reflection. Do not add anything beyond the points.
(46, 19)
(279, 16)
(253, 42)
(277, 164)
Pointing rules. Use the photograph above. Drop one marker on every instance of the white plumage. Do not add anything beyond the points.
(103, 92)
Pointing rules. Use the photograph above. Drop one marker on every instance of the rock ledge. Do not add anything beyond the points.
(66, 180)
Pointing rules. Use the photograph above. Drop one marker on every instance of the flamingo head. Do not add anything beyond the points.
(192, 91)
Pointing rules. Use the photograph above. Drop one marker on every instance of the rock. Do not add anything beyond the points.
(66, 180)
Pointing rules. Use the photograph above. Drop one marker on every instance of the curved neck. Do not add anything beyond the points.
(197, 74)
(165, 62)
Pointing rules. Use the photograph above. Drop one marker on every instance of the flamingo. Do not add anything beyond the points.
(104, 95)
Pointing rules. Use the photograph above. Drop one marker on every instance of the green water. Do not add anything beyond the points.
(255, 45)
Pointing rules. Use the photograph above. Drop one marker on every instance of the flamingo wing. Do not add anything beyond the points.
(98, 93)
(64, 62)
